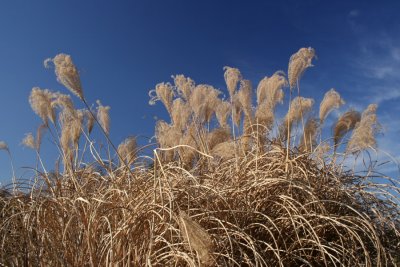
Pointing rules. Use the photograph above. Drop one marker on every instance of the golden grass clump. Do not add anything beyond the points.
(332, 100)
(67, 74)
(208, 194)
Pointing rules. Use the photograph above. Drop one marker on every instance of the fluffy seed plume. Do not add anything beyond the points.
(180, 113)
(66, 73)
(265, 115)
(4, 146)
(331, 101)
(270, 89)
(363, 136)
(299, 107)
(63, 101)
(103, 116)
(217, 136)
(89, 120)
(308, 140)
(29, 141)
(244, 97)
(40, 101)
(344, 124)
(163, 92)
(222, 112)
(203, 101)
(232, 77)
(127, 150)
(197, 238)
(237, 110)
(298, 63)
(184, 86)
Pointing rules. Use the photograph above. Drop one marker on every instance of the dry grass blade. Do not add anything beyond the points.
(197, 238)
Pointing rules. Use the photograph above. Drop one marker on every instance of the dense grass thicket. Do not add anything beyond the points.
(227, 183)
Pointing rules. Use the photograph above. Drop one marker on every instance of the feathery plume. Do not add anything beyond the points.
(66, 73)
(237, 110)
(63, 101)
(40, 101)
(344, 124)
(222, 112)
(184, 86)
(244, 97)
(103, 116)
(270, 89)
(217, 136)
(265, 115)
(299, 107)
(4, 146)
(363, 136)
(232, 77)
(127, 150)
(298, 63)
(332, 100)
(89, 120)
(203, 101)
(180, 113)
(197, 238)
(29, 141)
(224, 150)
(308, 139)
(163, 92)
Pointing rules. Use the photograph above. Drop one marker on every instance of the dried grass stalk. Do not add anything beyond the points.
(363, 136)
(197, 238)
(66, 73)
(299, 107)
(331, 101)
(298, 63)
(309, 138)
(232, 77)
(344, 124)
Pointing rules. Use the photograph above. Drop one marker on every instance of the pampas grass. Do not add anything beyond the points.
(331, 101)
(206, 197)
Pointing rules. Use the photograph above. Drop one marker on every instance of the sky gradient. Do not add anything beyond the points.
(124, 48)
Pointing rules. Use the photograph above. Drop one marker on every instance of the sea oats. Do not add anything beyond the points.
(40, 101)
(332, 100)
(232, 77)
(298, 63)
(67, 74)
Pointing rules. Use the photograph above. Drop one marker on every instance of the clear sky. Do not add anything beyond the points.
(124, 48)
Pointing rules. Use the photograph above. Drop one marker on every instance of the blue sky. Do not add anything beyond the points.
(124, 48)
